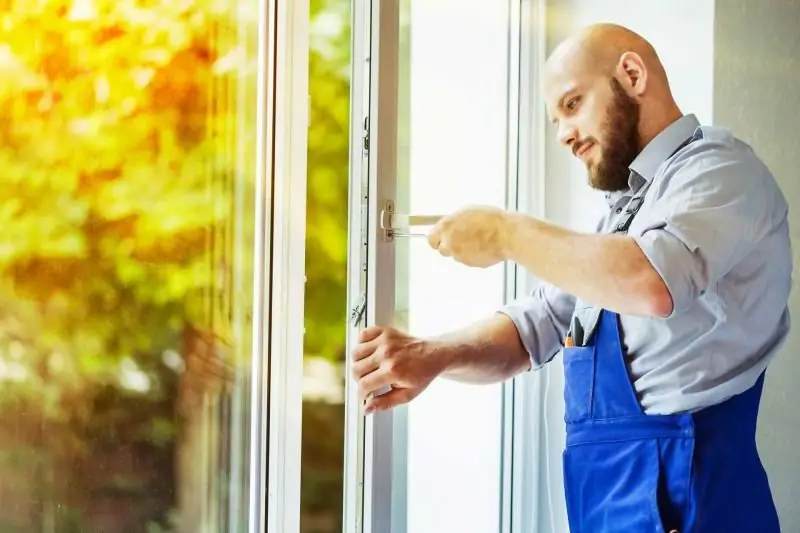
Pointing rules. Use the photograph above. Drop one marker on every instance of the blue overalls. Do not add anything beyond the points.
(625, 471)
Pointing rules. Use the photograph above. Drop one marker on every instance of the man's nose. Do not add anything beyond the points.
(567, 134)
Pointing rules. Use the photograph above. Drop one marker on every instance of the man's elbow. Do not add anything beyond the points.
(656, 300)
(647, 288)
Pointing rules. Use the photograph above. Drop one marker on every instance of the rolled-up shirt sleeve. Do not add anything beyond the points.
(542, 320)
(716, 206)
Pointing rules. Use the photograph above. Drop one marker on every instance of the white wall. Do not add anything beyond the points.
(757, 73)
(682, 32)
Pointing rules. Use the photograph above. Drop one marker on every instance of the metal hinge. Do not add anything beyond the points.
(365, 142)
(357, 314)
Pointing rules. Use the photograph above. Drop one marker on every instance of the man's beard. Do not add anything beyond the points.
(622, 142)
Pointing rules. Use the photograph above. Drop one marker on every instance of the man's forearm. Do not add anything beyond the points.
(487, 352)
(610, 271)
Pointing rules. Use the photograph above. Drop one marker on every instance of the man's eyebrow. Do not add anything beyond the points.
(568, 92)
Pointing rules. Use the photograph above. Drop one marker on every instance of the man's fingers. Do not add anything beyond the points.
(374, 381)
(364, 366)
(444, 248)
(389, 400)
(209, 366)
(362, 351)
(435, 235)
(368, 343)
(370, 333)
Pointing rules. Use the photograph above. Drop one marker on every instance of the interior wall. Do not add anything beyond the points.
(757, 75)
(682, 32)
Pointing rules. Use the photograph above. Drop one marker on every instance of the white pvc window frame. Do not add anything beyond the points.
(371, 444)
(279, 284)
(529, 506)
(375, 500)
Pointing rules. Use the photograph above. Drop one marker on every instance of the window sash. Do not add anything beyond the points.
(376, 447)
(277, 360)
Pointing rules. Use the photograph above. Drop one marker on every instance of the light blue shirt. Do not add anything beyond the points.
(714, 225)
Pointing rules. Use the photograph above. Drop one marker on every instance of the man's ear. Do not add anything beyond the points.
(632, 73)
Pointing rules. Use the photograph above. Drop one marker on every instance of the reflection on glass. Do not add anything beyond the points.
(452, 153)
(322, 466)
(127, 149)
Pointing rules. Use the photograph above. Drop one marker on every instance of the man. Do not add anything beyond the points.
(667, 316)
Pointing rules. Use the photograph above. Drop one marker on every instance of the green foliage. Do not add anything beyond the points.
(127, 166)
(328, 163)
(115, 162)
(326, 257)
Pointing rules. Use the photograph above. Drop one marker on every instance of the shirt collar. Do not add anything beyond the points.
(644, 167)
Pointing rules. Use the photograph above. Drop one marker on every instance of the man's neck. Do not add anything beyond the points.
(659, 120)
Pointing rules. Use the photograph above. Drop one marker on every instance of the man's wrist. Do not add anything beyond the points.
(442, 354)
(509, 235)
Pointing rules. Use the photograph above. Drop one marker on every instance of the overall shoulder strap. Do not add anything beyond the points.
(585, 320)
(636, 202)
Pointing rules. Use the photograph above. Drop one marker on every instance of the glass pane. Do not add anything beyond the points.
(326, 272)
(452, 153)
(126, 248)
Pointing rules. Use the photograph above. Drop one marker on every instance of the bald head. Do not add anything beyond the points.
(599, 49)
(608, 94)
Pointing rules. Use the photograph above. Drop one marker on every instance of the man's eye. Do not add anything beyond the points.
(572, 103)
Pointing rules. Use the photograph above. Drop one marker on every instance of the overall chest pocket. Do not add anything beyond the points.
(579, 373)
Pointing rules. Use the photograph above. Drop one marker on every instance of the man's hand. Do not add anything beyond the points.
(476, 236)
(388, 357)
